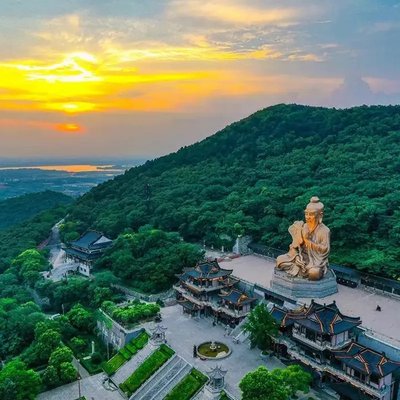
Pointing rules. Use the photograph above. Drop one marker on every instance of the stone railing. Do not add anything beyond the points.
(320, 345)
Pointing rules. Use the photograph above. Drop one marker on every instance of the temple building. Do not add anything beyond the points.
(322, 338)
(209, 290)
(87, 249)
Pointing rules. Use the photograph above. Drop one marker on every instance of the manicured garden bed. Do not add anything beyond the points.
(130, 314)
(147, 369)
(188, 387)
(125, 354)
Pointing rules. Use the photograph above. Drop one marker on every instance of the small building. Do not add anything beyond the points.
(322, 338)
(209, 290)
(87, 249)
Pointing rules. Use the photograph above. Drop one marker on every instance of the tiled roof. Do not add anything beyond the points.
(236, 297)
(88, 240)
(319, 318)
(366, 360)
(82, 255)
(206, 270)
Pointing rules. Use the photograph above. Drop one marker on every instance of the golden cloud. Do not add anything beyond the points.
(234, 12)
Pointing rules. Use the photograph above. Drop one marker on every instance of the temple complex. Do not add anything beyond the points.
(87, 249)
(321, 338)
(209, 290)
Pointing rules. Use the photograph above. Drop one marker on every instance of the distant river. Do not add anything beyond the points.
(70, 168)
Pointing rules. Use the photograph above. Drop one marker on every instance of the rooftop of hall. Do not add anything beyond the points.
(81, 255)
(366, 360)
(236, 297)
(324, 319)
(206, 270)
(92, 240)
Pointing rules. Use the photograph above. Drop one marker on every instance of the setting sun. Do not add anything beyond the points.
(69, 128)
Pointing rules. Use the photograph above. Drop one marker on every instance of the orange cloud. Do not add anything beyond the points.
(69, 128)
(8, 123)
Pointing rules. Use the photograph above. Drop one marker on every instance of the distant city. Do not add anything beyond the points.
(73, 177)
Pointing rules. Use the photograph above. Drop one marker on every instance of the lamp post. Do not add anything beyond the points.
(79, 382)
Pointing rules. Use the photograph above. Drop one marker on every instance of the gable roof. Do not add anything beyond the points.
(236, 297)
(206, 270)
(326, 319)
(92, 240)
(366, 360)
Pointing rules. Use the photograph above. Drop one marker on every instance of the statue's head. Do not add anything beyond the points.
(314, 213)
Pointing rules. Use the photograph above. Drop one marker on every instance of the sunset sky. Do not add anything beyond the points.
(143, 78)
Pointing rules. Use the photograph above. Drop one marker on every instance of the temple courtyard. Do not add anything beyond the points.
(353, 302)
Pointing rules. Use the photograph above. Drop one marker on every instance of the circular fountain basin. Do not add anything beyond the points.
(213, 350)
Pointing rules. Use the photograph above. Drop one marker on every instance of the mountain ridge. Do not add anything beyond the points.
(255, 177)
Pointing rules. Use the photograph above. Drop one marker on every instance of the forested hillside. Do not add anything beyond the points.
(256, 177)
(18, 209)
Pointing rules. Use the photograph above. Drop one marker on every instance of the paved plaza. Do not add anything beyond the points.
(353, 302)
(183, 332)
(92, 388)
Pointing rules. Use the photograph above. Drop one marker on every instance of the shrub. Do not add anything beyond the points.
(112, 365)
(96, 358)
(141, 340)
(78, 345)
(126, 353)
(188, 387)
(146, 369)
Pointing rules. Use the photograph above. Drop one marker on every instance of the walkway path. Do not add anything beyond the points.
(92, 388)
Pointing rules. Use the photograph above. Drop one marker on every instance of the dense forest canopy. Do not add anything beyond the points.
(256, 176)
(19, 209)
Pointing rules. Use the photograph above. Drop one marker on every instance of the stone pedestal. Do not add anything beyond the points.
(297, 288)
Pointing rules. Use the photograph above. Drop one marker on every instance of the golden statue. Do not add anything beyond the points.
(309, 250)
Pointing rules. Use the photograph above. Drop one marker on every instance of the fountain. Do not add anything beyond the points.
(213, 350)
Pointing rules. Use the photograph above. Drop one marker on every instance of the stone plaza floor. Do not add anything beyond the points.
(91, 387)
(183, 332)
(352, 302)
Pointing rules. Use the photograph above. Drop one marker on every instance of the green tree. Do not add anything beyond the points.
(261, 384)
(81, 318)
(261, 327)
(28, 264)
(295, 378)
(18, 381)
(46, 343)
(50, 377)
(60, 355)
(67, 372)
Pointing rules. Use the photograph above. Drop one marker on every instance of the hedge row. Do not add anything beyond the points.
(125, 354)
(147, 369)
(188, 386)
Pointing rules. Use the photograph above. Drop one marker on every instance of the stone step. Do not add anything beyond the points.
(127, 369)
(159, 385)
(178, 378)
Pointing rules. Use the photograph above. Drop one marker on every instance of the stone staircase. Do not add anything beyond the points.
(164, 380)
(238, 329)
(127, 369)
(238, 334)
